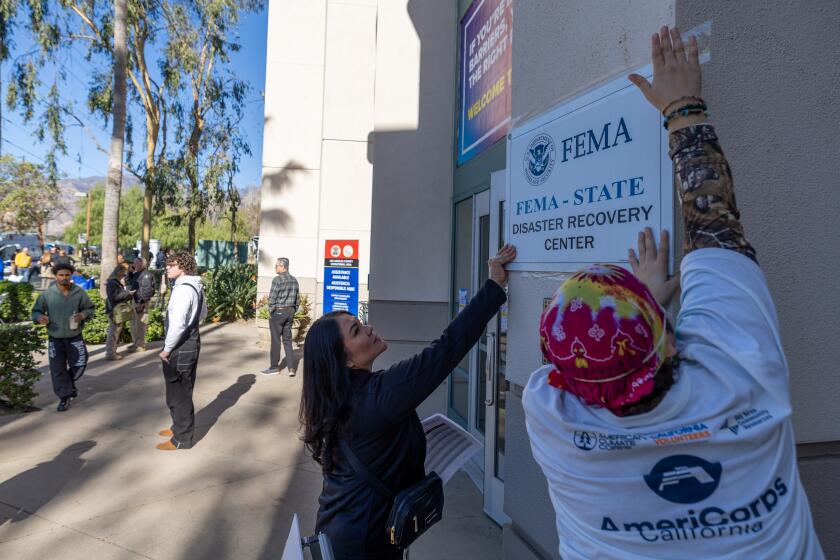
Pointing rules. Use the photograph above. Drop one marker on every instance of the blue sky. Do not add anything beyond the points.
(84, 160)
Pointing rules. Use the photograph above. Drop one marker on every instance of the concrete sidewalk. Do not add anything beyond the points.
(89, 483)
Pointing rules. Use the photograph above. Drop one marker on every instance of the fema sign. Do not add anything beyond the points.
(585, 177)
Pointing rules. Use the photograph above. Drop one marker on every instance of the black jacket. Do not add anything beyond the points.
(385, 433)
(144, 284)
(115, 293)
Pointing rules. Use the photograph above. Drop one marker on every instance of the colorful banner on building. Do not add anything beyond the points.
(341, 275)
(484, 94)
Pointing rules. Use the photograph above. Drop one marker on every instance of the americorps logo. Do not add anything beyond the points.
(585, 440)
(684, 479)
(539, 159)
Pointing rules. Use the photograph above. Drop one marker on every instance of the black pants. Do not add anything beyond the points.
(68, 360)
(280, 325)
(179, 374)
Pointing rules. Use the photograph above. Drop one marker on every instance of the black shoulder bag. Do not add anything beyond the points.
(414, 510)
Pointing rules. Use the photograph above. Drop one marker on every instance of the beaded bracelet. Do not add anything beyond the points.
(684, 112)
(683, 98)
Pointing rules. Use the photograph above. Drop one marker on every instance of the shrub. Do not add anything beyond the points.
(231, 292)
(18, 375)
(95, 329)
(17, 305)
(155, 331)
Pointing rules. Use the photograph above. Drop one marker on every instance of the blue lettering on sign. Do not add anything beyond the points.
(341, 290)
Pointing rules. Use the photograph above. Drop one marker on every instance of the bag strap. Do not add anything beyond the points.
(364, 473)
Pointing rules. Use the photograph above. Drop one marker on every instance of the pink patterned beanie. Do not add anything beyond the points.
(605, 335)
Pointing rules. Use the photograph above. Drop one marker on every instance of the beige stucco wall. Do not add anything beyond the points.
(317, 175)
(412, 177)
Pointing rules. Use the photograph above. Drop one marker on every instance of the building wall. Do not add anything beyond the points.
(317, 174)
(769, 91)
(412, 155)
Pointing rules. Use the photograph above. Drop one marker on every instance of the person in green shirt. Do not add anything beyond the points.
(63, 308)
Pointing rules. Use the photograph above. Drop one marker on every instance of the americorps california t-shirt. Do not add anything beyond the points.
(711, 471)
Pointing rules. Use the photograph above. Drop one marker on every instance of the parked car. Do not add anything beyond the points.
(7, 253)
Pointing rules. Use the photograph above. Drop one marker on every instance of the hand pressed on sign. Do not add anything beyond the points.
(497, 264)
(651, 266)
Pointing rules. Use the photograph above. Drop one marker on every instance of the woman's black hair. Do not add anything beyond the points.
(325, 400)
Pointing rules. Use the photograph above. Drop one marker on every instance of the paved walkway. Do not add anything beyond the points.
(89, 483)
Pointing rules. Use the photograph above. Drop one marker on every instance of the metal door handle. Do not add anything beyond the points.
(490, 388)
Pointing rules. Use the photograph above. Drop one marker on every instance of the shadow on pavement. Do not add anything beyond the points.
(209, 415)
(43, 482)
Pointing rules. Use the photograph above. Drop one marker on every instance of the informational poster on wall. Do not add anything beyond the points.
(485, 75)
(341, 275)
(585, 177)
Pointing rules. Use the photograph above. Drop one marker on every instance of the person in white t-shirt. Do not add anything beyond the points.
(661, 442)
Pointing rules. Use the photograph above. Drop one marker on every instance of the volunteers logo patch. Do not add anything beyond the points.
(539, 159)
(684, 479)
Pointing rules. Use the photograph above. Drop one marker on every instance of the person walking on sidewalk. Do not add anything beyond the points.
(282, 305)
(63, 308)
(181, 348)
(23, 264)
(662, 442)
(143, 285)
(119, 310)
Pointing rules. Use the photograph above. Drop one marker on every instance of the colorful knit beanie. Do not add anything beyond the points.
(605, 335)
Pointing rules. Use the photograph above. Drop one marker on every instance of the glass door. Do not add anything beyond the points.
(494, 381)
(468, 383)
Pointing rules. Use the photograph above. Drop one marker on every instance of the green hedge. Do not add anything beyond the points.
(18, 374)
(17, 305)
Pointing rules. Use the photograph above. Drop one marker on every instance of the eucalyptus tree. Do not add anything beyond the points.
(208, 103)
(113, 185)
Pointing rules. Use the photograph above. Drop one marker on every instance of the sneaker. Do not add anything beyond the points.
(273, 370)
(114, 357)
(63, 404)
(292, 372)
(140, 349)
(131, 349)
(75, 394)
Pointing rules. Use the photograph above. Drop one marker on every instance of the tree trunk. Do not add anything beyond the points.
(148, 194)
(191, 233)
(111, 214)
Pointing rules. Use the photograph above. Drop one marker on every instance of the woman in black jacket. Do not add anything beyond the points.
(116, 292)
(374, 413)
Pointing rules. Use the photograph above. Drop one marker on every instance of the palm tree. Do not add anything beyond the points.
(111, 214)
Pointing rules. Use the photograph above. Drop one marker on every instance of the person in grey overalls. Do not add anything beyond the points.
(181, 348)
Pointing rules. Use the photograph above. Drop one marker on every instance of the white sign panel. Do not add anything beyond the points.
(584, 178)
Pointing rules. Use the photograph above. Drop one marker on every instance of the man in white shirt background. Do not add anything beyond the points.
(182, 346)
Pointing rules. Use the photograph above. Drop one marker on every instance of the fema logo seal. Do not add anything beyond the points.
(684, 479)
(585, 440)
(539, 159)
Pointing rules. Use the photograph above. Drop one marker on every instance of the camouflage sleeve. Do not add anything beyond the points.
(704, 184)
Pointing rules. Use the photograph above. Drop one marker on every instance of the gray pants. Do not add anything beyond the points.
(112, 340)
(139, 323)
(280, 325)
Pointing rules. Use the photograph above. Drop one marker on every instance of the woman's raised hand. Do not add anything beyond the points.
(651, 266)
(676, 73)
(498, 274)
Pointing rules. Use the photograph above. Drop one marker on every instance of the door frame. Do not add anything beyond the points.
(494, 488)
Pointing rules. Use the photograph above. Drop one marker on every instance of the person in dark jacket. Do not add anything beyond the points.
(374, 412)
(116, 293)
(143, 285)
